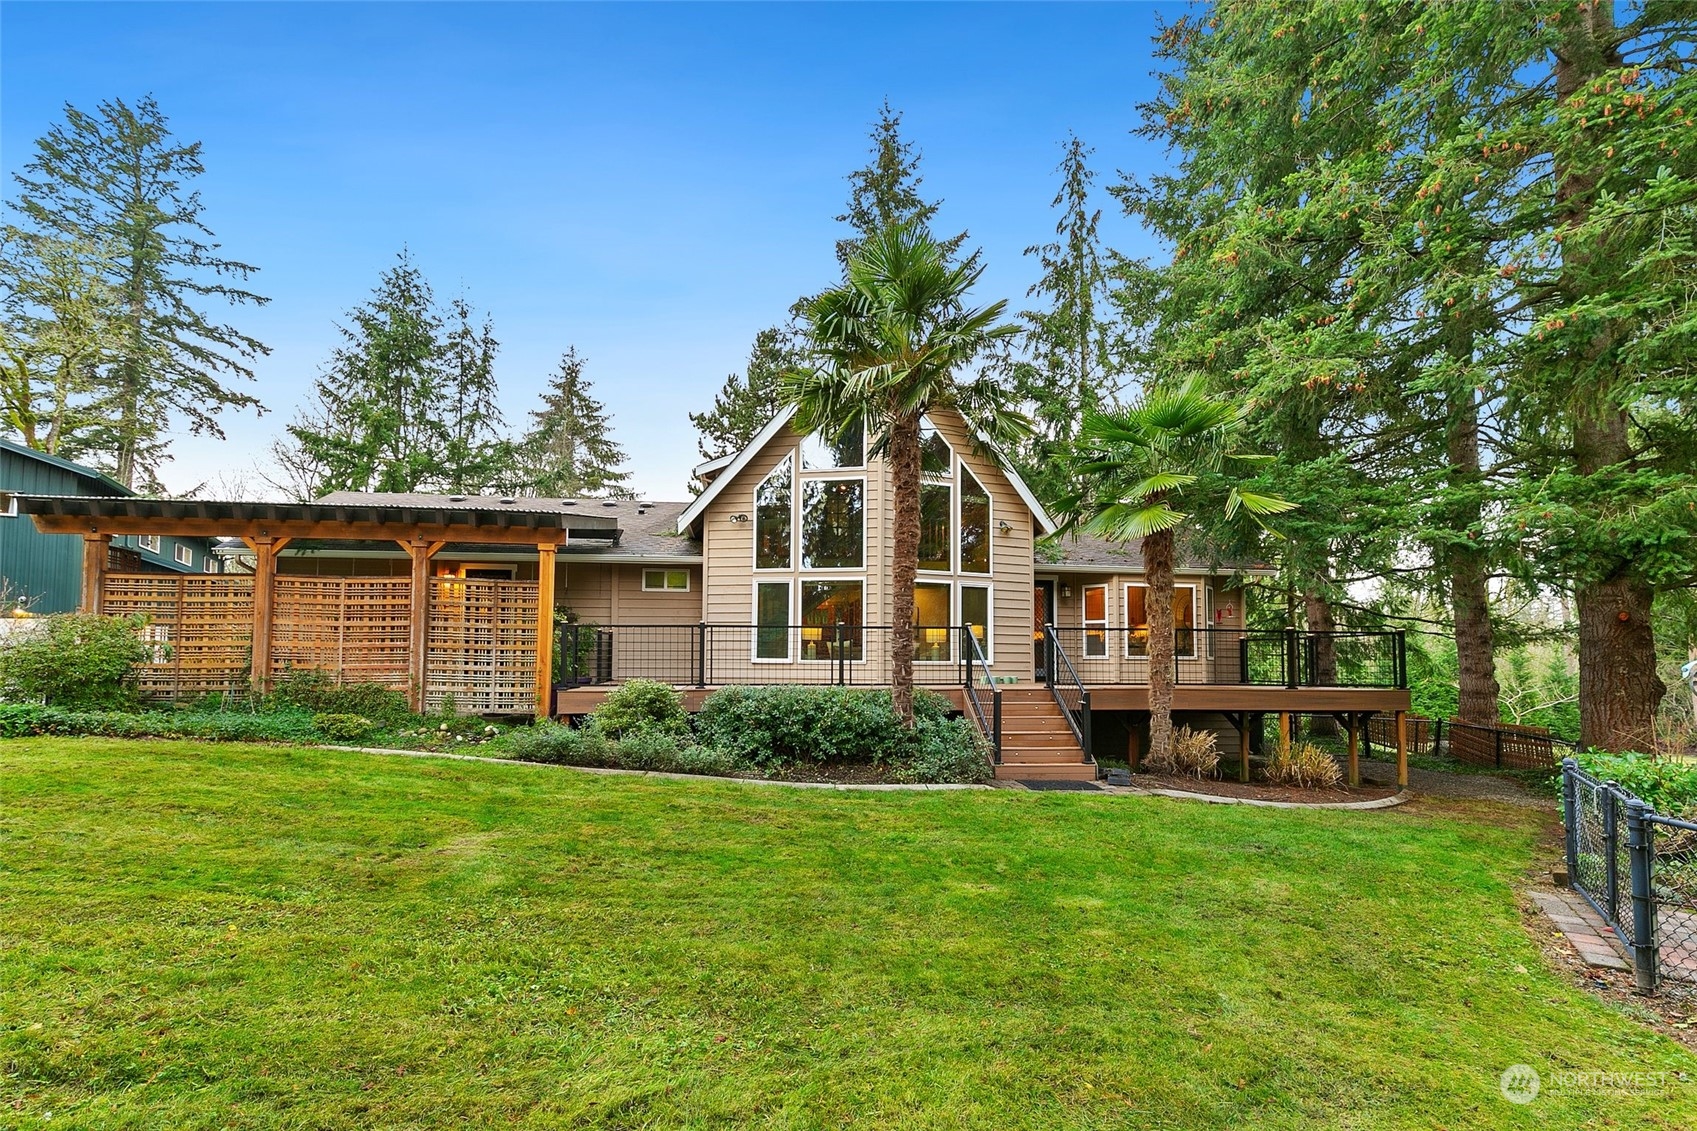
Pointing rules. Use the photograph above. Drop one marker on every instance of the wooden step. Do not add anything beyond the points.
(1046, 771)
(1062, 741)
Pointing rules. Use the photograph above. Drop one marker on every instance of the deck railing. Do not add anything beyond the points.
(1069, 691)
(713, 655)
(1214, 656)
(981, 685)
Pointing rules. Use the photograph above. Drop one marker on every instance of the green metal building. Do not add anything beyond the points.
(42, 573)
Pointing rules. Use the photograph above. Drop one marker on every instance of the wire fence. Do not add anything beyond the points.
(1638, 868)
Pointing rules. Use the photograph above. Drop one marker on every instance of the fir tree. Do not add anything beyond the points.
(885, 192)
(569, 450)
(748, 400)
(477, 457)
(116, 180)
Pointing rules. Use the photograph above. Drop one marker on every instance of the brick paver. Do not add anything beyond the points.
(1594, 939)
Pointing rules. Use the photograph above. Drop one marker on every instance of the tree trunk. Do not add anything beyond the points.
(1320, 622)
(1470, 598)
(1619, 688)
(904, 539)
(1158, 573)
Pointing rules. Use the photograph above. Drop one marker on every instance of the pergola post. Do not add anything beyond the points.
(265, 551)
(1354, 749)
(545, 561)
(1402, 749)
(421, 551)
(95, 549)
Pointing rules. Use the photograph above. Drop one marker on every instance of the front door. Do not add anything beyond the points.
(1043, 613)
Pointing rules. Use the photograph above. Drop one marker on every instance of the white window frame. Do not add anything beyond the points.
(148, 542)
(789, 582)
(210, 565)
(798, 551)
(954, 529)
(989, 522)
(1094, 625)
(953, 615)
(663, 587)
(183, 554)
(793, 459)
(813, 437)
(989, 641)
(795, 615)
(1125, 607)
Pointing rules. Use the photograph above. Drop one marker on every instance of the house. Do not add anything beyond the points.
(777, 572)
(40, 573)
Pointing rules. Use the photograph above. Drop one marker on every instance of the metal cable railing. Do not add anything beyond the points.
(1069, 692)
(979, 683)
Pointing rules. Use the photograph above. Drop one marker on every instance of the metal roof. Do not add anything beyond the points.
(423, 510)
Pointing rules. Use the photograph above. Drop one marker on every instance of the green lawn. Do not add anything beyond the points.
(196, 935)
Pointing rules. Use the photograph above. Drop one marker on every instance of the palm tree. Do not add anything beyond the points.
(1176, 446)
(887, 343)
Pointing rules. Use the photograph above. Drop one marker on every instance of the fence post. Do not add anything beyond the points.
(996, 723)
(1611, 850)
(1645, 959)
(1243, 658)
(842, 664)
(1401, 659)
(1292, 660)
(1570, 818)
(1084, 726)
(1498, 735)
(701, 654)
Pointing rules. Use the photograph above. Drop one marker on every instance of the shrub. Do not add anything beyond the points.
(1665, 786)
(343, 727)
(647, 750)
(1194, 755)
(312, 690)
(20, 719)
(560, 745)
(1304, 765)
(773, 727)
(75, 660)
(641, 705)
(947, 751)
(222, 726)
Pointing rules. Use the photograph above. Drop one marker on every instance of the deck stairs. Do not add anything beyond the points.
(1037, 743)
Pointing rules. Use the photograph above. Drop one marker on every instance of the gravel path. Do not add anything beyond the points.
(1483, 787)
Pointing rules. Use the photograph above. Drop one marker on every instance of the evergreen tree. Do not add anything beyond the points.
(1073, 350)
(748, 400)
(569, 450)
(478, 457)
(375, 420)
(885, 192)
(118, 181)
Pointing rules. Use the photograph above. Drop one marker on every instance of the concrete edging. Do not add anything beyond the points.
(1390, 802)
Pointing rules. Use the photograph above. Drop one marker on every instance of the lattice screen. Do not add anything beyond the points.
(355, 628)
(200, 625)
(482, 646)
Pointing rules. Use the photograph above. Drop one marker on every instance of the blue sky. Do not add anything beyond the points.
(651, 183)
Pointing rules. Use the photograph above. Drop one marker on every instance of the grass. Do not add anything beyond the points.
(199, 935)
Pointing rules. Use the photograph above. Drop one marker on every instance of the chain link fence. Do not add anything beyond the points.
(1638, 868)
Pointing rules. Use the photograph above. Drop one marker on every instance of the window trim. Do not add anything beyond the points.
(801, 455)
(663, 587)
(989, 523)
(854, 579)
(183, 554)
(149, 542)
(1195, 593)
(1098, 625)
(989, 641)
(948, 629)
(789, 584)
(792, 460)
(798, 544)
(210, 565)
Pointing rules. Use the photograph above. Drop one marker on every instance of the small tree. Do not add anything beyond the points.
(1173, 447)
(748, 400)
(74, 660)
(569, 449)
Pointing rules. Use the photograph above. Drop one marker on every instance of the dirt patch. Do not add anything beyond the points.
(1262, 791)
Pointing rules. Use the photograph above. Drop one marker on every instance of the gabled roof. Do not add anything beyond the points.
(63, 464)
(1045, 524)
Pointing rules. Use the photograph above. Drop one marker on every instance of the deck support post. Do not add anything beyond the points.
(95, 549)
(1354, 777)
(1243, 746)
(1287, 730)
(1402, 749)
(545, 561)
(265, 550)
(421, 551)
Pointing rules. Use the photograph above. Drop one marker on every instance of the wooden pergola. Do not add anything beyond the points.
(267, 528)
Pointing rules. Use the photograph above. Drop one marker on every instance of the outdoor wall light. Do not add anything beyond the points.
(739, 518)
(1066, 592)
(1005, 527)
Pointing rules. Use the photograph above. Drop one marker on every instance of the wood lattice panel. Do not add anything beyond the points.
(201, 626)
(482, 646)
(355, 628)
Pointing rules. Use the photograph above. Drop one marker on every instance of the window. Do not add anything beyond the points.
(975, 613)
(772, 620)
(211, 564)
(1137, 620)
(149, 542)
(847, 450)
(932, 635)
(772, 519)
(183, 554)
(934, 451)
(831, 615)
(934, 507)
(1095, 621)
(665, 580)
(974, 524)
(833, 523)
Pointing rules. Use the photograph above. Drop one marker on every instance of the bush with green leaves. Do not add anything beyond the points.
(775, 727)
(946, 751)
(74, 660)
(344, 727)
(1666, 786)
(315, 691)
(220, 726)
(560, 745)
(641, 705)
(640, 749)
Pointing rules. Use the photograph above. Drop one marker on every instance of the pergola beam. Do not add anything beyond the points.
(330, 530)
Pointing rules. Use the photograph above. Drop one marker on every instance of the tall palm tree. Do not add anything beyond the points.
(887, 344)
(1175, 446)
